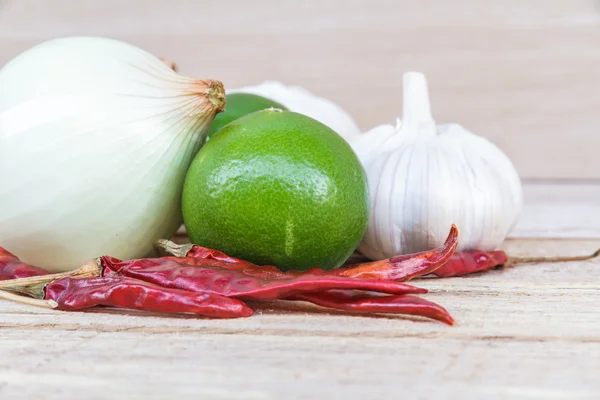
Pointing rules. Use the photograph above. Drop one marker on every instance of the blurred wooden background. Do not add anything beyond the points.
(524, 73)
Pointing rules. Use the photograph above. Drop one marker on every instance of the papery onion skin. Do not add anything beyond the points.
(96, 136)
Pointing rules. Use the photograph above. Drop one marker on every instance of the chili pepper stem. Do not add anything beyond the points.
(533, 260)
(34, 286)
(177, 250)
(27, 300)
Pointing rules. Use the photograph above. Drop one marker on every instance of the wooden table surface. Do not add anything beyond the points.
(527, 332)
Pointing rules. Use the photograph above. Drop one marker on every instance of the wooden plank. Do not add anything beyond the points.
(560, 210)
(527, 332)
(527, 72)
(206, 366)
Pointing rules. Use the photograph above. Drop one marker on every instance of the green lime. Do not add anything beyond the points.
(239, 105)
(277, 188)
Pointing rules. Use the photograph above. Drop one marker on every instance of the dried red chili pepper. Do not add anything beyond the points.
(76, 290)
(364, 303)
(12, 268)
(70, 294)
(336, 299)
(247, 281)
(468, 262)
(399, 268)
(129, 293)
(405, 267)
(177, 273)
(83, 288)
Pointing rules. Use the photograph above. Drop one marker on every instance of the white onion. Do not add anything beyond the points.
(96, 136)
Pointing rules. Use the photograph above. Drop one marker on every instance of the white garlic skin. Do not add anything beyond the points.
(302, 101)
(421, 183)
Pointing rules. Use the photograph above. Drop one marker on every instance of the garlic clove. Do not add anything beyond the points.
(300, 100)
(424, 177)
(372, 145)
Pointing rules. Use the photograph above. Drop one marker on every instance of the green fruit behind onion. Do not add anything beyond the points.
(239, 105)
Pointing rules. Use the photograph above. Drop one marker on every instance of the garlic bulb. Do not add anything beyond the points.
(96, 136)
(425, 177)
(300, 100)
